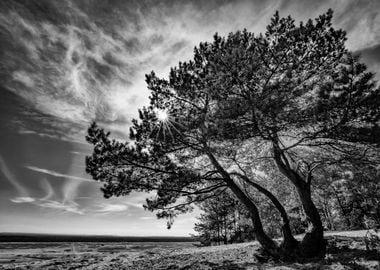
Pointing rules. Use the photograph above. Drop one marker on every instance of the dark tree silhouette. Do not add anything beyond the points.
(295, 93)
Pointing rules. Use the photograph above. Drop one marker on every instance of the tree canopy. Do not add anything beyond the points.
(292, 99)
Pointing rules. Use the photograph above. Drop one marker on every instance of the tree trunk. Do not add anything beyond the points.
(327, 214)
(313, 243)
(343, 211)
(289, 242)
(225, 230)
(234, 228)
(330, 218)
(217, 222)
(239, 227)
(266, 242)
(326, 217)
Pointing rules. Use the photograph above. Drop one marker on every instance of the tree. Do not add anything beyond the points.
(224, 220)
(283, 96)
(352, 194)
(216, 218)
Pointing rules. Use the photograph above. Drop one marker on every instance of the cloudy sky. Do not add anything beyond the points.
(64, 64)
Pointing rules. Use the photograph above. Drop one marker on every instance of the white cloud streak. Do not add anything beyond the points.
(22, 191)
(46, 202)
(22, 199)
(147, 218)
(68, 207)
(109, 208)
(60, 137)
(57, 174)
(46, 186)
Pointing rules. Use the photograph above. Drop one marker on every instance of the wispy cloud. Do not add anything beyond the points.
(23, 193)
(61, 137)
(68, 207)
(51, 204)
(47, 202)
(57, 174)
(22, 199)
(73, 67)
(147, 218)
(71, 207)
(109, 208)
(79, 153)
(46, 186)
(69, 190)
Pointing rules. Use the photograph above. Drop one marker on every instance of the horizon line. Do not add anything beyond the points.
(104, 235)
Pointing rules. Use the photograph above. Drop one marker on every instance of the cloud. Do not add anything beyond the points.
(80, 70)
(46, 202)
(67, 70)
(70, 189)
(71, 207)
(147, 218)
(108, 208)
(46, 186)
(371, 56)
(138, 199)
(81, 64)
(79, 153)
(22, 191)
(68, 207)
(62, 137)
(361, 20)
(22, 199)
(57, 174)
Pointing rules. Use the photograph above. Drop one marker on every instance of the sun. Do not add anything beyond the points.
(166, 125)
(162, 115)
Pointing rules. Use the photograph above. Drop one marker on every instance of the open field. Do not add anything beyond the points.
(79, 255)
(346, 251)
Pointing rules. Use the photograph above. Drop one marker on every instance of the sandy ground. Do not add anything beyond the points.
(347, 251)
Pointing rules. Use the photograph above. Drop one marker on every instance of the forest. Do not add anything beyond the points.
(271, 134)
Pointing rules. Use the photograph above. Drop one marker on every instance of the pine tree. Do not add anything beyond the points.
(290, 92)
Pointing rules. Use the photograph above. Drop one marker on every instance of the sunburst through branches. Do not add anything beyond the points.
(162, 115)
(167, 124)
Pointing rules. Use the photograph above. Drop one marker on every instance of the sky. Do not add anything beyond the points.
(64, 64)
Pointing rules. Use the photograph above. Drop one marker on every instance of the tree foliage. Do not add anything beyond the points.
(293, 99)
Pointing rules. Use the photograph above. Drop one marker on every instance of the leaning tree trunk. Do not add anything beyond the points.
(313, 243)
(265, 241)
(289, 243)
